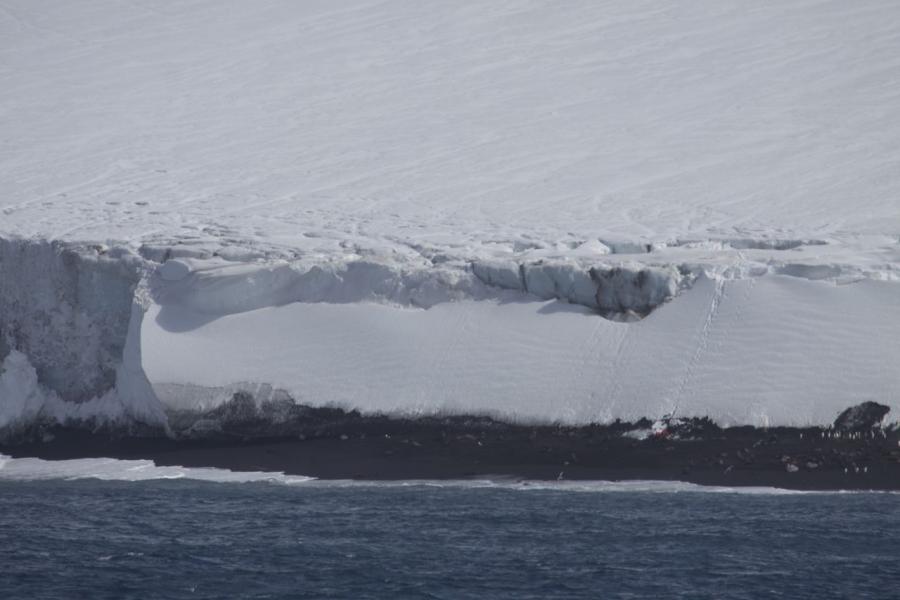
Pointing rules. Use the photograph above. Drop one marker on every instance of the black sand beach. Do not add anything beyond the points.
(333, 444)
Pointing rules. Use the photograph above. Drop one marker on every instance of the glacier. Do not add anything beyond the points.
(574, 213)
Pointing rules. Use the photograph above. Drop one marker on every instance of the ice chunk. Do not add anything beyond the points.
(174, 270)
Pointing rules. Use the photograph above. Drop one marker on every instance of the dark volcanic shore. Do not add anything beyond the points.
(333, 444)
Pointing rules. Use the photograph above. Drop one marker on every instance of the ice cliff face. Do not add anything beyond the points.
(217, 286)
(618, 292)
(69, 333)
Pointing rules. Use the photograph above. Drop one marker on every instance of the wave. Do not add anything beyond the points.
(111, 469)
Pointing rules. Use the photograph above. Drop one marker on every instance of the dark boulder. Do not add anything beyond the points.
(862, 416)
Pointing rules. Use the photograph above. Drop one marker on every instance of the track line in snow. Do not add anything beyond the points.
(702, 344)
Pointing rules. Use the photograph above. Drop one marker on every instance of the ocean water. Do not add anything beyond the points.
(183, 538)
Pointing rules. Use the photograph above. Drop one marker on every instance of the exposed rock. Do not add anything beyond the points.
(240, 409)
(862, 416)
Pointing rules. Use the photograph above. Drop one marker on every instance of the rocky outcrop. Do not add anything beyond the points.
(861, 417)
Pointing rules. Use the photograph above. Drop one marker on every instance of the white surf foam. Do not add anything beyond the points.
(111, 469)
(587, 486)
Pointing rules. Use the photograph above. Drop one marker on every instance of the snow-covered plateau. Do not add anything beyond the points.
(574, 212)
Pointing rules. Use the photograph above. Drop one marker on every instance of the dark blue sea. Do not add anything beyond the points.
(194, 539)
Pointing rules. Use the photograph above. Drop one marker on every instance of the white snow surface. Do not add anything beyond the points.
(310, 126)
(387, 205)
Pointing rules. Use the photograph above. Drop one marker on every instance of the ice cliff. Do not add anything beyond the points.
(70, 321)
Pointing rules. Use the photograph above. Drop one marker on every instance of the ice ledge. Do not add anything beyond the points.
(216, 287)
(623, 280)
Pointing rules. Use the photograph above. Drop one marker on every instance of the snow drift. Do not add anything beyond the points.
(772, 350)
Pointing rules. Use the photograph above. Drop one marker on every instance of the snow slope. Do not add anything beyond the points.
(773, 350)
(372, 203)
